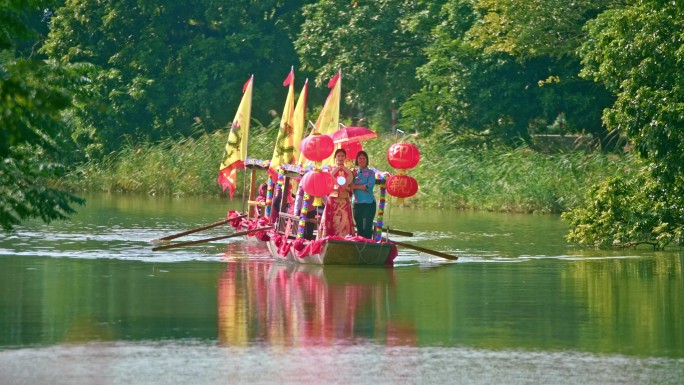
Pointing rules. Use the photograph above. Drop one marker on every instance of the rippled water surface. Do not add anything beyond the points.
(87, 301)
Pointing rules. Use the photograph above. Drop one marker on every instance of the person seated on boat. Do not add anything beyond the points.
(275, 204)
(276, 208)
(312, 213)
(337, 214)
(261, 199)
(263, 190)
(364, 201)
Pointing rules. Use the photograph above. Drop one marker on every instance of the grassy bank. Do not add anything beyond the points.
(449, 177)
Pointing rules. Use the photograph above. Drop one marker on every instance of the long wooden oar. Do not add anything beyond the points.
(397, 232)
(236, 234)
(219, 223)
(428, 251)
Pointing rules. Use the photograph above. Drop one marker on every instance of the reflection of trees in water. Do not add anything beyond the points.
(637, 300)
(301, 305)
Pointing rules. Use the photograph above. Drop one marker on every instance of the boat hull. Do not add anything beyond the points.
(334, 252)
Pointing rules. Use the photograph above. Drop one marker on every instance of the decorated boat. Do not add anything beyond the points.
(333, 251)
(286, 240)
(289, 241)
(307, 162)
(303, 166)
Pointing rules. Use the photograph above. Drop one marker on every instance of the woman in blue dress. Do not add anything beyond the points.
(364, 200)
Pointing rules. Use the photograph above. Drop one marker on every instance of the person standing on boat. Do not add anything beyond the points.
(364, 200)
(337, 215)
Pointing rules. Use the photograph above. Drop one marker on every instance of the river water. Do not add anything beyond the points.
(86, 301)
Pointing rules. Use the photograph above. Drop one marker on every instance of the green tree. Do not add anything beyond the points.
(33, 94)
(497, 67)
(636, 51)
(159, 67)
(377, 45)
(533, 28)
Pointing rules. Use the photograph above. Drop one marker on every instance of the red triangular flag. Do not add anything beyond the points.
(290, 76)
(333, 81)
(244, 88)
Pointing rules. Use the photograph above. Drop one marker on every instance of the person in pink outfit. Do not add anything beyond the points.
(337, 217)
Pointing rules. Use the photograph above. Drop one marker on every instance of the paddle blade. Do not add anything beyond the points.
(427, 251)
(174, 236)
(188, 243)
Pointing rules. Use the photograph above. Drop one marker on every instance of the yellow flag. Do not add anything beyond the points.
(283, 153)
(300, 120)
(329, 118)
(236, 147)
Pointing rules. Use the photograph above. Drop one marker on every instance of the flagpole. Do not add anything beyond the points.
(283, 149)
(245, 198)
(251, 79)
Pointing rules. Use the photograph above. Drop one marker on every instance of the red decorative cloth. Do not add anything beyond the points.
(305, 248)
(235, 223)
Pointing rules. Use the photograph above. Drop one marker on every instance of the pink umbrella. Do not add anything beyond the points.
(352, 134)
(351, 148)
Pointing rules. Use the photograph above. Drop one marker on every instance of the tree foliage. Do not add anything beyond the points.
(33, 94)
(377, 45)
(493, 68)
(636, 51)
(483, 70)
(158, 68)
(533, 28)
(501, 69)
(628, 212)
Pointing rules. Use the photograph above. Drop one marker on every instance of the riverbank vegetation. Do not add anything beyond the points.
(94, 84)
(450, 177)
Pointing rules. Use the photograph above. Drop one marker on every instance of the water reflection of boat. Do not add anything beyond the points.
(295, 304)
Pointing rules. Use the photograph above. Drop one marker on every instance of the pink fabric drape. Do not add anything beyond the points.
(337, 218)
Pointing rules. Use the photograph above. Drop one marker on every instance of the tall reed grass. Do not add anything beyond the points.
(513, 180)
(186, 166)
(449, 176)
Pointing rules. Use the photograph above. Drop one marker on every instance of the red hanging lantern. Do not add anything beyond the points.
(317, 147)
(403, 155)
(401, 186)
(318, 184)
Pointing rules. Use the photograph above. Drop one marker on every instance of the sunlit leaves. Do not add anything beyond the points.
(33, 95)
(636, 51)
(156, 66)
(376, 44)
(530, 28)
(628, 212)
(493, 80)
